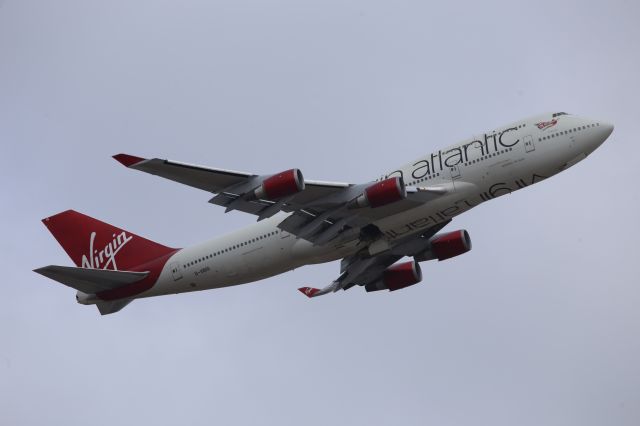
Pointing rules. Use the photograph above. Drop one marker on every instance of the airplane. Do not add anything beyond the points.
(370, 226)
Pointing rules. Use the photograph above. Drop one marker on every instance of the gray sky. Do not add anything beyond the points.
(539, 324)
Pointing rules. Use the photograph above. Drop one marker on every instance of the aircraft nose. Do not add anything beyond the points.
(599, 134)
(604, 129)
(607, 129)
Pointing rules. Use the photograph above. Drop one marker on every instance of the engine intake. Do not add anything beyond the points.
(397, 276)
(280, 185)
(381, 193)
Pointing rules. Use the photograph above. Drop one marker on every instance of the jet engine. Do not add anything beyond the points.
(446, 246)
(397, 276)
(280, 185)
(381, 193)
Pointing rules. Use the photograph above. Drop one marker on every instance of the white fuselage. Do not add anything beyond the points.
(474, 171)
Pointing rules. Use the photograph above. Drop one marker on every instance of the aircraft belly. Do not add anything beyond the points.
(429, 214)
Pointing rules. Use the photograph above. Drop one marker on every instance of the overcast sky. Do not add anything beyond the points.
(538, 325)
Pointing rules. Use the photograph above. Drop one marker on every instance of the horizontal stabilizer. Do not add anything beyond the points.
(88, 280)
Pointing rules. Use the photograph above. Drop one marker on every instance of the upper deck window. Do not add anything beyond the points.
(557, 114)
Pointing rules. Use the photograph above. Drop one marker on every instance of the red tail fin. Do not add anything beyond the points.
(94, 244)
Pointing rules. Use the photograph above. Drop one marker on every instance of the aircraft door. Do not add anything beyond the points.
(175, 271)
(455, 174)
(529, 146)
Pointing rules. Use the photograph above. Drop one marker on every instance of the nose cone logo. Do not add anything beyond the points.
(546, 124)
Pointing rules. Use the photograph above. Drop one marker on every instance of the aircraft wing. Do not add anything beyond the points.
(367, 270)
(321, 211)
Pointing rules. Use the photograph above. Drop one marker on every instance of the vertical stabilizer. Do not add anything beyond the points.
(95, 244)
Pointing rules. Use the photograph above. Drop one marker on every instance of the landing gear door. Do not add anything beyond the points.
(528, 144)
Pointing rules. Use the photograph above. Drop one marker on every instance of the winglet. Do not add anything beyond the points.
(128, 160)
(308, 291)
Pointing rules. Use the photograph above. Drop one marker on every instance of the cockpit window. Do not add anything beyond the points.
(558, 114)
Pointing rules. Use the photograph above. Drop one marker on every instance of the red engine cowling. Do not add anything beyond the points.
(398, 276)
(382, 193)
(281, 185)
(452, 244)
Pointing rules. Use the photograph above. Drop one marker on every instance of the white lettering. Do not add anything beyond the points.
(107, 256)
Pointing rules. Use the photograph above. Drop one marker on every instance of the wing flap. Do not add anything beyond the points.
(90, 281)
